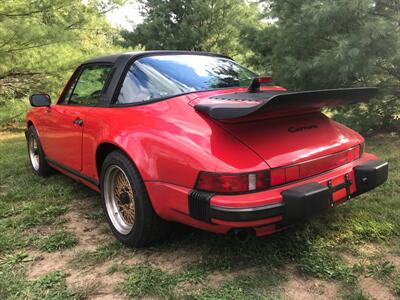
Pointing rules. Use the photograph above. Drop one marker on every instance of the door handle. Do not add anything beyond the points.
(78, 122)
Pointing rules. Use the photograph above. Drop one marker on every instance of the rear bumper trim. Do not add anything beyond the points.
(247, 213)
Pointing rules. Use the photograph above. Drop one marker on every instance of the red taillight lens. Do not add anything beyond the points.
(232, 183)
(313, 167)
(262, 180)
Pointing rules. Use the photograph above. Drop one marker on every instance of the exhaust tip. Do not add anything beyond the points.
(243, 235)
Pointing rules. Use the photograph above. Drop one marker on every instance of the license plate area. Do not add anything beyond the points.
(341, 191)
(312, 198)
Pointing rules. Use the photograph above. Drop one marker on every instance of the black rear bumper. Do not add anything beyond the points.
(298, 203)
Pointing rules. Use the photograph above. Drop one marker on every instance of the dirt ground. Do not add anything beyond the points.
(96, 280)
(99, 283)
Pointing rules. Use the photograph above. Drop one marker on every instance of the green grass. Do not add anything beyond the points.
(321, 261)
(314, 249)
(147, 281)
(27, 201)
(382, 270)
(59, 240)
(262, 285)
(50, 286)
(397, 287)
(14, 285)
(354, 294)
(102, 253)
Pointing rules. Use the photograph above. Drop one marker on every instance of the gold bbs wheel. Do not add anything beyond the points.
(119, 199)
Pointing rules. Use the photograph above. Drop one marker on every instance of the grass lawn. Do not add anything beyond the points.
(54, 244)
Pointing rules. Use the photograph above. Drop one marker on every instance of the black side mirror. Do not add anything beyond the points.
(40, 100)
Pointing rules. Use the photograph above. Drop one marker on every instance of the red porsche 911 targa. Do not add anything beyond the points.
(195, 138)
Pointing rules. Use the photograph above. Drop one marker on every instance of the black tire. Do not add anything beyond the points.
(41, 168)
(148, 226)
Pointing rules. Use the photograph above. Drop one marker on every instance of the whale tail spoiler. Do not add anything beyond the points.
(243, 104)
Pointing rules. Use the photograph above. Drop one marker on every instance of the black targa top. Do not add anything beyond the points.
(267, 101)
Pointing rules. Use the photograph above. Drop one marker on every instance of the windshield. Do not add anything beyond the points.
(155, 77)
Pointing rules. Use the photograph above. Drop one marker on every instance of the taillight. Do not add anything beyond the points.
(255, 181)
(313, 167)
(232, 183)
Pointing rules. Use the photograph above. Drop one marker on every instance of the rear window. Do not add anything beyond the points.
(156, 77)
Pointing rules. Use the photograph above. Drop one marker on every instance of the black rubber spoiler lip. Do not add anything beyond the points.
(282, 101)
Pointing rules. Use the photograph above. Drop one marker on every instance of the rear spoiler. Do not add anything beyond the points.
(281, 101)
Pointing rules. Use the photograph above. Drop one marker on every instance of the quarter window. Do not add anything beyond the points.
(88, 88)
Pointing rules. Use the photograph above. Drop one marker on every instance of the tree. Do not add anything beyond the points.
(323, 44)
(41, 40)
(200, 25)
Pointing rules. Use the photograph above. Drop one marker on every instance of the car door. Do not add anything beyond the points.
(65, 121)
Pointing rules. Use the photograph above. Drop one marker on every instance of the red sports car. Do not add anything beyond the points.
(195, 138)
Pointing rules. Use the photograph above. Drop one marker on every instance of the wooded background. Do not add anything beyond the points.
(304, 44)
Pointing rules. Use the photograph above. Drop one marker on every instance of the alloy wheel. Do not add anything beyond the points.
(119, 199)
(34, 152)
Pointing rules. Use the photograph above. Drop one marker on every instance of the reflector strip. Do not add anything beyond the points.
(313, 167)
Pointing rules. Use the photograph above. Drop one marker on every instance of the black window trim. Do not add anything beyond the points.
(133, 59)
(75, 78)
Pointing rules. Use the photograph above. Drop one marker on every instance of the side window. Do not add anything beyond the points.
(86, 91)
(144, 83)
(132, 90)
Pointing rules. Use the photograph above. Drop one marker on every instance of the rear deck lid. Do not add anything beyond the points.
(293, 139)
